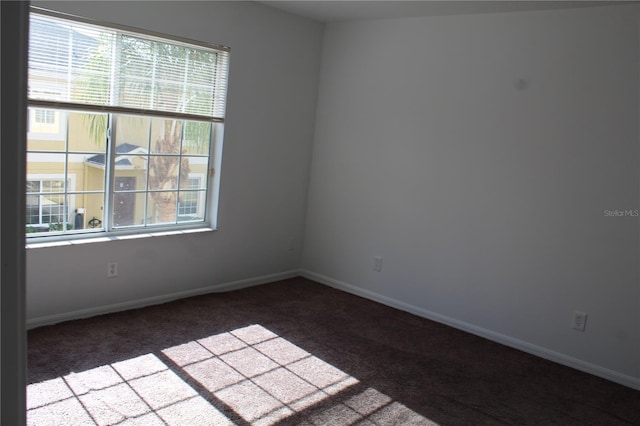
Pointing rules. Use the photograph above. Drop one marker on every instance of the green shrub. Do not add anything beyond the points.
(59, 226)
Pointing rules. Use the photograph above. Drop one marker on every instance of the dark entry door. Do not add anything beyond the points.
(124, 203)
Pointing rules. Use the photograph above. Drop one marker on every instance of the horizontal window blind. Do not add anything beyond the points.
(77, 63)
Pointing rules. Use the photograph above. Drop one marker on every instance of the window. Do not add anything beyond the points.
(125, 129)
(44, 116)
(45, 124)
(191, 206)
(45, 203)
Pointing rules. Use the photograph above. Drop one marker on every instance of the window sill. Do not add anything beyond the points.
(102, 238)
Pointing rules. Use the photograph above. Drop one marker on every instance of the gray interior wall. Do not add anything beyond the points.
(268, 137)
(476, 155)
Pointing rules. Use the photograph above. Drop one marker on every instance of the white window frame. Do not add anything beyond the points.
(207, 203)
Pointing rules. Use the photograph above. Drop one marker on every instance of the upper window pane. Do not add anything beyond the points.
(74, 62)
(69, 61)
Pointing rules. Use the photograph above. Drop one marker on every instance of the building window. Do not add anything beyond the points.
(45, 124)
(134, 120)
(44, 116)
(190, 206)
(45, 203)
(48, 203)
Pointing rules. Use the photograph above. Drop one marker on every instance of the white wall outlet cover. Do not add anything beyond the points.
(377, 263)
(579, 321)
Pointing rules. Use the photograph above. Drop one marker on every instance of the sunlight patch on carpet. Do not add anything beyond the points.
(250, 371)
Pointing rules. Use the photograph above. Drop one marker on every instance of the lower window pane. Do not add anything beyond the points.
(162, 207)
(166, 170)
(45, 165)
(33, 209)
(47, 213)
(191, 206)
(88, 212)
(53, 208)
(156, 170)
(128, 208)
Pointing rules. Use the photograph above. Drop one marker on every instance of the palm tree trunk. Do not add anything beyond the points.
(166, 172)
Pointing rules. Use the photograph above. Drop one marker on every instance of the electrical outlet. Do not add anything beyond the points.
(579, 321)
(112, 269)
(377, 263)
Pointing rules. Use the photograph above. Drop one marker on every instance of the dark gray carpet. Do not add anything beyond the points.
(297, 352)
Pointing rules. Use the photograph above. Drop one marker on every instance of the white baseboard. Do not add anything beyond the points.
(605, 373)
(156, 300)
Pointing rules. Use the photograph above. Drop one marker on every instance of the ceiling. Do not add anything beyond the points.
(346, 10)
